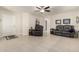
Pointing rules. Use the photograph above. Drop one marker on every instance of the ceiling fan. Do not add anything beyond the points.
(43, 9)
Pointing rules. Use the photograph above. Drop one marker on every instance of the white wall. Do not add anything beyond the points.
(25, 19)
(8, 24)
(33, 19)
(18, 23)
(22, 23)
(0, 25)
(72, 15)
(15, 23)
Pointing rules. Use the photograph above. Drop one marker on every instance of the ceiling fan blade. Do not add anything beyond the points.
(47, 7)
(38, 8)
(47, 10)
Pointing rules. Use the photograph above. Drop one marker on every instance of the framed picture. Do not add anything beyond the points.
(58, 22)
(77, 19)
(66, 21)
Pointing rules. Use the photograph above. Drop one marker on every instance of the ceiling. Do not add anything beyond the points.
(31, 9)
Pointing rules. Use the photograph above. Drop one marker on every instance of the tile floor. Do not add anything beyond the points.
(50, 43)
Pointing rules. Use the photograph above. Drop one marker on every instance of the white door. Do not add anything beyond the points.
(47, 26)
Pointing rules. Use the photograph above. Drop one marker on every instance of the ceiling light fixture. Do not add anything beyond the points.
(42, 11)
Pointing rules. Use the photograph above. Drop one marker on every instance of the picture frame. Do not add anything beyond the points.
(58, 21)
(77, 19)
(66, 21)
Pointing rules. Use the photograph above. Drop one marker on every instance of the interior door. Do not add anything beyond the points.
(47, 26)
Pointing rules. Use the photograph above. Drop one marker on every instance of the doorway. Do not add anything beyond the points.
(47, 26)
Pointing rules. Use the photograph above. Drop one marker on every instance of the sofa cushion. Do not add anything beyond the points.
(59, 27)
(68, 28)
(65, 30)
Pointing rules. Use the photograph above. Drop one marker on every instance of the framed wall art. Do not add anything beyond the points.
(66, 21)
(58, 21)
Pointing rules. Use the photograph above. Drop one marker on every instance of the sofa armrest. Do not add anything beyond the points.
(76, 34)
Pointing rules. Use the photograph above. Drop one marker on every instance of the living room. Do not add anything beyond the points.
(15, 22)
